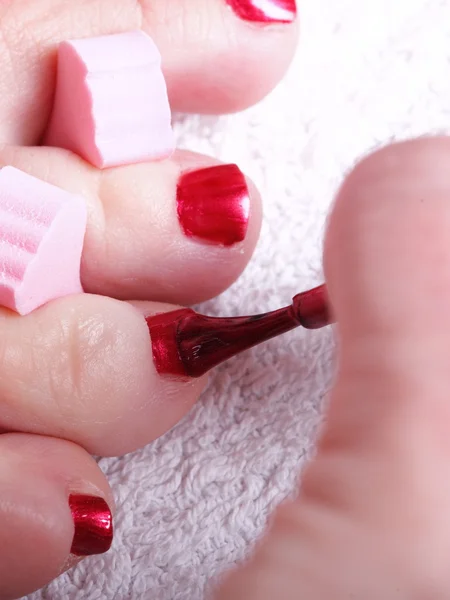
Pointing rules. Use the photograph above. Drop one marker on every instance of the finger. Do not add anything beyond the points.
(388, 261)
(243, 63)
(137, 245)
(81, 368)
(378, 486)
(54, 501)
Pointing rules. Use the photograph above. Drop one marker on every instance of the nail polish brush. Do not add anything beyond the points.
(189, 344)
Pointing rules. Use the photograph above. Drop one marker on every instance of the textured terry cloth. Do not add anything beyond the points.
(195, 501)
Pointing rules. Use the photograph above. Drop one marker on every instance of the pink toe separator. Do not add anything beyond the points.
(42, 231)
(111, 105)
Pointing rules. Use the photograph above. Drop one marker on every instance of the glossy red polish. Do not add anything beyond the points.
(188, 344)
(213, 204)
(265, 11)
(93, 525)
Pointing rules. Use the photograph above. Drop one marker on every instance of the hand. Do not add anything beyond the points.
(77, 375)
(371, 520)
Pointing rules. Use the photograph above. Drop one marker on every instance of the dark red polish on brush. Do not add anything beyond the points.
(188, 344)
(213, 204)
(265, 11)
(93, 525)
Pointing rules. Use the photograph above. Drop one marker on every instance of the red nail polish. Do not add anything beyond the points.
(93, 525)
(188, 344)
(213, 204)
(265, 11)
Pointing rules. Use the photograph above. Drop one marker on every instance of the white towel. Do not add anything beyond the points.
(193, 503)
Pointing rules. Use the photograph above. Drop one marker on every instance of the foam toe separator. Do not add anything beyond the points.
(111, 105)
(42, 230)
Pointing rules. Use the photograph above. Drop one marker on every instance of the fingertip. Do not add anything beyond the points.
(387, 260)
(386, 243)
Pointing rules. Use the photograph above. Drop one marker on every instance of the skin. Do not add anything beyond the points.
(378, 486)
(371, 518)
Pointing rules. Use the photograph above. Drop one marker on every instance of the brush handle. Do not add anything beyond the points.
(204, 342)
(312, 308)
(188, 344)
